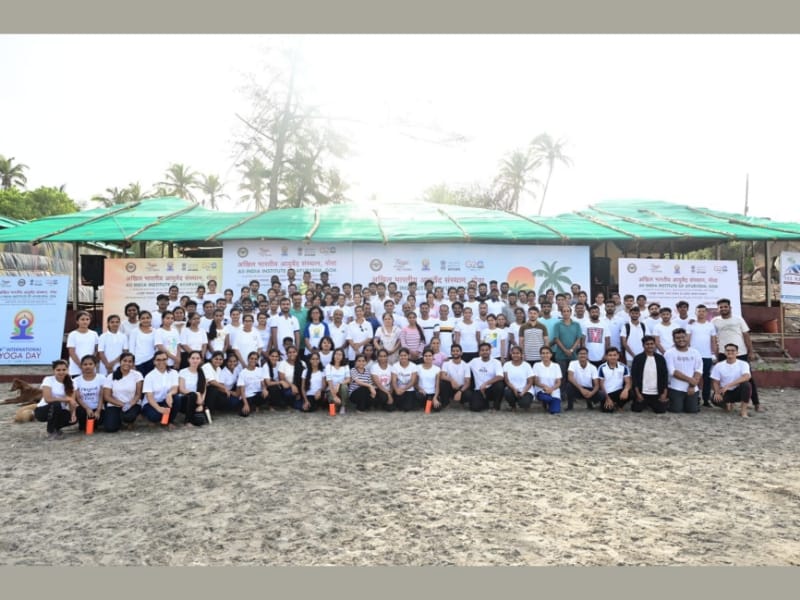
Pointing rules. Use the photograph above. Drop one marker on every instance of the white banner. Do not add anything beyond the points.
(667, 281)
(32, 313)
(523, 266)
(790, 277)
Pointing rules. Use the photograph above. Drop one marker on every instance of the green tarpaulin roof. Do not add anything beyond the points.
(630, 223)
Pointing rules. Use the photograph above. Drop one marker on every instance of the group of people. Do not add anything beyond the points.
(308, 345)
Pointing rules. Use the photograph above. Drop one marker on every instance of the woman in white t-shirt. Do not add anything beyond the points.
(160, 388)
(252, 389)
(381, 373)
(88, 392)
(193, 337)
(57, 406)
(142, 343)
(547, 377)
(313, 384)
(387, 336)
(168, 339)
(81, 342)
(428, 379)
(111, 345)
(218, 338)
(122, 391)
(518, 376)
(404, 382)
(326, 350)
(192, 390)
(497, 338)
(221, 395)
(290, 373)
(337, 379)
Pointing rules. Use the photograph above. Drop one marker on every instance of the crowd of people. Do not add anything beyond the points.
(304, 345)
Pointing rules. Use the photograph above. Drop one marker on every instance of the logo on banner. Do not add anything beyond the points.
(676, 269)
(21, 282)
(375, 264)
(23, 325)
(242, 252)
(328, 250)
(284, 250)
(631, 267)
(521, 278)
(401, 265)
(698, 269)
(474, 265)
(264, 252)
(426, 264)
(130, 267)
(721, 268)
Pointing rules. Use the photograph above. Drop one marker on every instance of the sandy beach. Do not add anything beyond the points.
(456, 488)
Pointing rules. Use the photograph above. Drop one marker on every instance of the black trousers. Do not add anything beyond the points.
(447, 393)
(492, 397)
(53, 414)
(753, 390)
(651, 401)
(361, 398)
(113, 417)
(524, 401)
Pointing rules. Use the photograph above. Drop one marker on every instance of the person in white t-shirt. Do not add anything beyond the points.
(404, 382)
(252, 389)
(518, 375)
(584, 381)
(110, 346)
(381, 373)
(337, 380)
(547, 378)
(57, 406)
(192, 390)
(81, 342)
(168, 339)
(88, 392)
(487, 379)
(160, 388)
(731, 381)
(456, 378)
(313, 389)
(428, 376)
(615, 382)
(122, 391)
(703, 338)
(685, 368)
(221, 394)
(131, 321)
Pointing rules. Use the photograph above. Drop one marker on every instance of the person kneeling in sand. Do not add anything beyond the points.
(650, 376)
(615, 381)
(731, 381)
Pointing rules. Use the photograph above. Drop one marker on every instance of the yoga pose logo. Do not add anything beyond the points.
(23, 325)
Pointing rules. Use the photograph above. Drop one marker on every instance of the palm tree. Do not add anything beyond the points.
(513, 179)
(212, 188)
(11, 175)
(179, 181)
(545, 150)
(256, 182)
(112, 196)
(552, 277)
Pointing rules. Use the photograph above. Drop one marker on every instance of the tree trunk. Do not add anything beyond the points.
(544, 191)
(280, 142)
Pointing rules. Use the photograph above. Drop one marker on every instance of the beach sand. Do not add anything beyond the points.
(456, 488)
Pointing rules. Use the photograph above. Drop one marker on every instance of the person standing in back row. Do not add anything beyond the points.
(734, 330)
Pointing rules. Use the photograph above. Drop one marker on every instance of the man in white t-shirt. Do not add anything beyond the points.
(429, 324)
(615, 382)
(283, 326)
(455, 379)
(487, 377)
(583, 381)
(731, 380)
(703, 338)
(733, 329)
(685, 368)
(662, 330)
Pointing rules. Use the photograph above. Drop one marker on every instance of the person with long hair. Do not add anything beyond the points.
(131, 321)
(326, 348)
(179, 318)
(290, 373)
(142, 344)
(313, 384)
(160, 389)
(315, 329)
(193, 337)
(369, 355)
(381, 373)
(221, 394)
(192, 390)
(252, 389)
(110, 346)
(547, 377)
(265, 333)
(337, 378)
(218, 338)
(428, 376)
(518, 377)
(439, 357)
(280, 392)
(88, 392)
(361, 390)
(122, 391)
(413, 337)
(81, 341)
(57, 406)
(404, 382)
(168, 339)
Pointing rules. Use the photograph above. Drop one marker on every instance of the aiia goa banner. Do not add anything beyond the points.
(523, 266)
(32, 312)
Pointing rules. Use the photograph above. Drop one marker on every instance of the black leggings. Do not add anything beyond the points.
(56, 416)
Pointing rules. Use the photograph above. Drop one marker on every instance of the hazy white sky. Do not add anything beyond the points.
(675, 118)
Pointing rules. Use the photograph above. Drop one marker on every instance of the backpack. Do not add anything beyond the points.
(628, 330)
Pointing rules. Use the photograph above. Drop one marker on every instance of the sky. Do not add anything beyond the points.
(680, 118)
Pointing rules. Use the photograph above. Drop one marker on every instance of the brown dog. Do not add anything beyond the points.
(24, 413)
(27, 393)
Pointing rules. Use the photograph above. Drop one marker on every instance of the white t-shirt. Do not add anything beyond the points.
(482, 371)
(315, 383)
(124, 389)
(247, 342)
(211, 373)
(189, 379)
(91, 392)
(112, 345)
(339, 334)
(228, 378)
(595, 339)
(287, 370)
(84, 343)
(650, 376)
(357, 333)
(547, 375)
(426, 379)
(633, 334)
(496, 337)
(701, 337)
(404, 374)
(613, 379)
(468, 336)
(127, 327)
(429, 327)
(459, 373)
(159, 384)
(689, 363)
(56, 390)
(251, 381)
(663, 333)
(583, 376)
(169, 338)
(383, 376)
(335, 376)
(445, 330)
(725, 372)
(194, 339)
(142, 345)
(284, 327)
(218, 343)
(518, 375)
